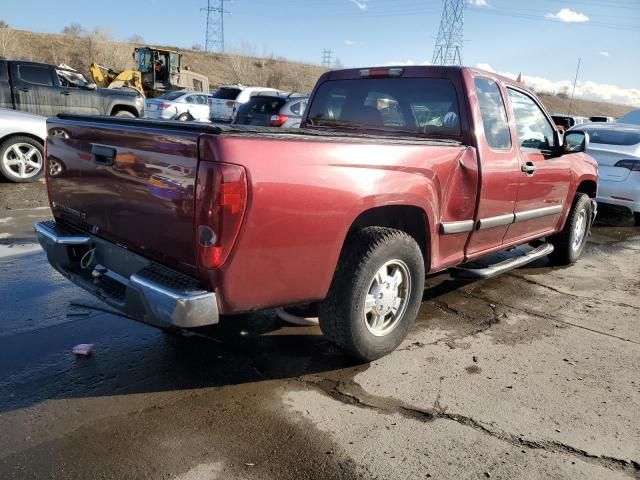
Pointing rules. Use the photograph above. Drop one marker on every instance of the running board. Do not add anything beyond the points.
(503, 266)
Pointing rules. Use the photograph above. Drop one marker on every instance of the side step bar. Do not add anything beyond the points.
(503, 266)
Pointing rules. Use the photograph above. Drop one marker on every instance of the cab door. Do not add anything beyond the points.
(499, 168)
(35, 89)
(544, 177)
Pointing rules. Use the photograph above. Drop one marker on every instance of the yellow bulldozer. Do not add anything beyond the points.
(158, 71)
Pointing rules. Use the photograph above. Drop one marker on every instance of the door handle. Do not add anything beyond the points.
(103, 155)
(65, 93)
(25, 90)
(529, 168)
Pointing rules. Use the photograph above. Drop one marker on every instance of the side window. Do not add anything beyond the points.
(35, 74)
(534, 130)
(494, 114)
(201, 99)
(191, 99)
(297, 108)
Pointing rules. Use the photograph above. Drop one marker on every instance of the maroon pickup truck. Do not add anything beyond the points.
(395, 173)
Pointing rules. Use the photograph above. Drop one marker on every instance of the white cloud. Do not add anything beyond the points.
(604, 54)
(361, 4)
(584, 88)
(569, 16)
(350, 43)
(479, 3)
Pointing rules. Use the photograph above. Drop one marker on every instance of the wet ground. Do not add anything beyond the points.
(530, 375)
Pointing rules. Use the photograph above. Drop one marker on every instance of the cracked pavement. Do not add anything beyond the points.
(530, 375)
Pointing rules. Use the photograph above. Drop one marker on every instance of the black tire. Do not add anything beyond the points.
(8, 171)
(184, 117)
(342, 315)
(566, 250)
(124, 113)
(636, 219)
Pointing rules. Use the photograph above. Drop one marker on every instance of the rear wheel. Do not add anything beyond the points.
(636, 219)
(184, 117)
(570, 242)
(375, 294)
(21, 159)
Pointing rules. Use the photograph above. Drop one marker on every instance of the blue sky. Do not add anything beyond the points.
(541, 38)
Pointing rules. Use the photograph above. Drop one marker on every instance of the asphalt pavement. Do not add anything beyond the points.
(530, 375)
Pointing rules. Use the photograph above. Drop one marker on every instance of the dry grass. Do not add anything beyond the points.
(245, 66)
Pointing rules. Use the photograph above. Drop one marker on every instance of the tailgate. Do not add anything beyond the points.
(129, 183)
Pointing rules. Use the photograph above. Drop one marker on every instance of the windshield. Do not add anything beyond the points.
(226, 93)
(171, 95)
(410, 105)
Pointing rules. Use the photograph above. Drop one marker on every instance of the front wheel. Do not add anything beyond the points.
(570, 242)
(124, 113)
(21, 159)
(375, 293)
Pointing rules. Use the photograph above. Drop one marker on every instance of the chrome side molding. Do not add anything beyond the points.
(497, 221)
(448, 228)
(538, 212)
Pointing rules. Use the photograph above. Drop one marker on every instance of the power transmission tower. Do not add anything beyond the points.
(214, 36)
(448, 49)
(327, 57)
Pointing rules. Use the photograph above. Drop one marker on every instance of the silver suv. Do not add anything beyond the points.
(272, 110)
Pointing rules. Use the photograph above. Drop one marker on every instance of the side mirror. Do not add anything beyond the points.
(575, 142)
(91, 86)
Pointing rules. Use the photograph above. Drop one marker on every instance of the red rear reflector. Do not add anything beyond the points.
(278, 120)
(221, 200)
(230, 104)
(162, 106)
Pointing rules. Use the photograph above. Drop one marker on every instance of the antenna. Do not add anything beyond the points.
(574, 87)
(448, 50)
(214, 35)
(327, 55)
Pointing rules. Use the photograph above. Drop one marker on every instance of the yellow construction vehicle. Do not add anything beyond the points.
(158, 71)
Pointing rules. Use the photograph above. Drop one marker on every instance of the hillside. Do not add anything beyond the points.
(246, 68)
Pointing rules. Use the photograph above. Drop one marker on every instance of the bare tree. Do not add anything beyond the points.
(7, 40)
(197, 47)
(136, 38)
(73, 30)
(103, 50)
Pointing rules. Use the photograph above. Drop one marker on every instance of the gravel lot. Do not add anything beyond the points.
(530, 375)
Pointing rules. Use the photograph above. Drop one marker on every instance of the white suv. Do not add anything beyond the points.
(224, 103)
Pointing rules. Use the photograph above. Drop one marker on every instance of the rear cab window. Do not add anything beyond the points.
(417, 106)
(35, 75)
(494, 114)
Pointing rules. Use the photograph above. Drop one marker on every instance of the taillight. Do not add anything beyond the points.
(633, 165)
(221, 200)
(230, 104)
(278, 120)
(162, 106)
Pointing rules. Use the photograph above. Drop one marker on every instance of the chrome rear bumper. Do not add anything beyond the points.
(133, 285)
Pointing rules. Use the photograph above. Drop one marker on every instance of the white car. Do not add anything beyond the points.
(22, 137)
(224, 103)
(180, 105)
(616, 148)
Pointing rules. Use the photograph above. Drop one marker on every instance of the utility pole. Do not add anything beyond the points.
(327, 55)
(214, 35)
(448, 50)
(575, 80)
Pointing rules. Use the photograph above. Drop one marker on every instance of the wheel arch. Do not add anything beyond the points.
(410, 219)
(22, 134)
(590, 187)
(126, 108)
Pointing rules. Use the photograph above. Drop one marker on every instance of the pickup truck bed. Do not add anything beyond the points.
(397, 173)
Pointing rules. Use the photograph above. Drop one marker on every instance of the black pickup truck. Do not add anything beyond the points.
(48, 90)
